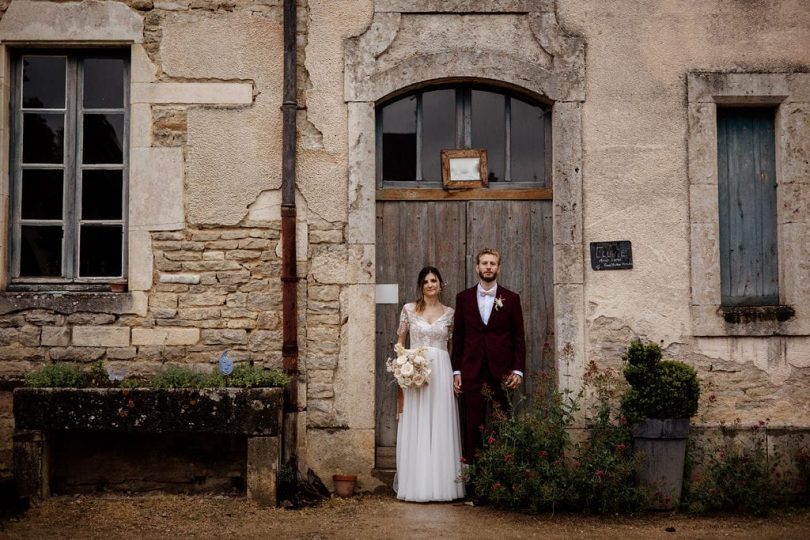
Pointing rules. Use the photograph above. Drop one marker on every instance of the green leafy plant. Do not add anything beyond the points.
(604, 471)
(70, 375)
(734, 477)
(173, 376)
(58, 375)
(251, 376)
(529, 461)
(802, 461)
(658, 388)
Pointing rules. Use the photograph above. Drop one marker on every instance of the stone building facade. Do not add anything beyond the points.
(632, 89)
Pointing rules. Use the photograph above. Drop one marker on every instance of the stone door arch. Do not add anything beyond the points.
(518, 43)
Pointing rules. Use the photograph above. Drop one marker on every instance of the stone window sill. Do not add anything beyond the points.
(67, 302)
(756, 314)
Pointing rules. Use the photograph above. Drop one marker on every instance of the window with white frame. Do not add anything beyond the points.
(69, 120)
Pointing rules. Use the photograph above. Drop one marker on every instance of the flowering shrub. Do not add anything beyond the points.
(802, 460)
(529, 461)
(734, 478)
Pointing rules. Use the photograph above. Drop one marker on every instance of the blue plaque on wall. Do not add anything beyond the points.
(225, 364)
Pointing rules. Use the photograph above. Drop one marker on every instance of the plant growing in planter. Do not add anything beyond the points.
(662, 397)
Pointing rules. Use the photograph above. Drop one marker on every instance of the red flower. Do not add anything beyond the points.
(507, 458)
(491, 440)
(462, 460)
(712, 398)
(600, 474)
(543, 454)
(621, 446)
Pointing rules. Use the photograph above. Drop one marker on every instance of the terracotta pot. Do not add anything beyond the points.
(344, 484)
(118, 286)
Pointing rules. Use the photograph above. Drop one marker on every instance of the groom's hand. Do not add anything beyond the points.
(513, 381)
(457, 384)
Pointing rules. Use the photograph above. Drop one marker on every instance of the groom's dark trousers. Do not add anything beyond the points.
(485, 354)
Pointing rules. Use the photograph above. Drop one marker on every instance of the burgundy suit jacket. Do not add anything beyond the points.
(500, 345)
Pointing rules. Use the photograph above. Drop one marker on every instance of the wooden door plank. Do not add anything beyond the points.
(448, 234)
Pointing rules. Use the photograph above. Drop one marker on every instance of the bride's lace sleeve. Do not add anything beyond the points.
(404, 325)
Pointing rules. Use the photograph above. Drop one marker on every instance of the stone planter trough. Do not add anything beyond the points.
(255, 413)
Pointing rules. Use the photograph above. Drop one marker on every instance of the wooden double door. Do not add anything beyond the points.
(447, 235)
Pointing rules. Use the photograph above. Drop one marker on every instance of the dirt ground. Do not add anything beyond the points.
(177, 516)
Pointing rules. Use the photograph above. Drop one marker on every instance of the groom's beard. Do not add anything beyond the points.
(487, 279)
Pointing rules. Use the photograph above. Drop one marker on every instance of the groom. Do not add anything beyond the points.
(489, 348)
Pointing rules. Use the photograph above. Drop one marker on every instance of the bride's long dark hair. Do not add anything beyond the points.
(420, 281)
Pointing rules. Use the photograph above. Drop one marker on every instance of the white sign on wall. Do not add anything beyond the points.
(388, 293)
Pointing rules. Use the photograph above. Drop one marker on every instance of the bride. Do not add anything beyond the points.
(428, 440)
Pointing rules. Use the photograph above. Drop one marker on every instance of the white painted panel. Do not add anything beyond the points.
(388, 293)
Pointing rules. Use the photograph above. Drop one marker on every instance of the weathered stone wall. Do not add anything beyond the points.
(636, 140)
(205, 168)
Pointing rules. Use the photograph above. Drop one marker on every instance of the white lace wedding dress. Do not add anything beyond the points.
(428, 438)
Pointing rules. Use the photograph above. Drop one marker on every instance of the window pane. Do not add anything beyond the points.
(103, 138)
(101, 194)
(100, 251)
(527, 142)
(438, 130)
(41, 194)
(489, 129)
(43, 138)
(103, 83)
(43, 82)
(40, 251)
(399, 140)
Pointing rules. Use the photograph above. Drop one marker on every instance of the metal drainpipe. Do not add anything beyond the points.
(289, 349)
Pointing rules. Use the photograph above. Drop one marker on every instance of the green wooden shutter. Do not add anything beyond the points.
(747, 200)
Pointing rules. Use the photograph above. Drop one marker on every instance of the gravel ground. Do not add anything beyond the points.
(177, 516)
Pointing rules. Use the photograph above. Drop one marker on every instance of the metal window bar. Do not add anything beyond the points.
(507, 153)
(419, 137)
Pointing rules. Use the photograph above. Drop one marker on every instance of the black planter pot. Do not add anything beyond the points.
(662, 445)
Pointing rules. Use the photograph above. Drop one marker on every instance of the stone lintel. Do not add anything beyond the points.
(747, 88)
(63, 22)
(194, 93)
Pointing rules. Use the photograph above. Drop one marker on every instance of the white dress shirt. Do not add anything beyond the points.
(486, 300)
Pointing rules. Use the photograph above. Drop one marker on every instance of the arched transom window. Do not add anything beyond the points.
(413, 129)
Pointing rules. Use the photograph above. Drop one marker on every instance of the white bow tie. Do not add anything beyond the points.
(490, 292)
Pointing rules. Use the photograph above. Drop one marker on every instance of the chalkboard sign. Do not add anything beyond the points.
(611, 255)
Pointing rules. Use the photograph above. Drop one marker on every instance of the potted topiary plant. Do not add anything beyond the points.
(662, 397)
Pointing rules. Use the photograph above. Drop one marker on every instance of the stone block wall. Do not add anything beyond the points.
(214, 290)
